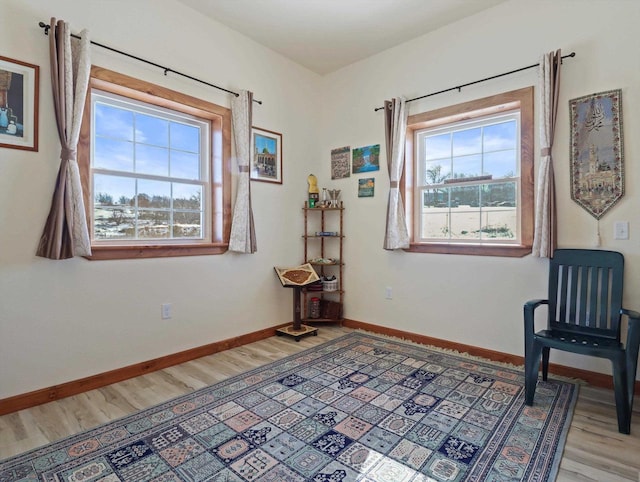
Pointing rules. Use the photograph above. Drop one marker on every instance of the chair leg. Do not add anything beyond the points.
(545, 362)
(531, 368)
(621, 395)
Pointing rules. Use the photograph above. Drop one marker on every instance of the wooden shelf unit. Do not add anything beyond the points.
(316, 246)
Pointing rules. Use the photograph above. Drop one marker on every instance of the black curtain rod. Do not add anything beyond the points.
(166, 69)
(459, 87)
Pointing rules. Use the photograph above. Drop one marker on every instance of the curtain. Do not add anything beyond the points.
(65, 233)
(544, 238)
(243, 236)
(395, 127)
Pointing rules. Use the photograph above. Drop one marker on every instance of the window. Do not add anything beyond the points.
(155, 167)
(469, 177)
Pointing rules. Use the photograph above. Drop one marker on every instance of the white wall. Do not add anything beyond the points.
(63, 320)
(470, 299)
(60, 321)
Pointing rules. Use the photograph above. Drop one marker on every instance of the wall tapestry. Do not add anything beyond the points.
(597, 168)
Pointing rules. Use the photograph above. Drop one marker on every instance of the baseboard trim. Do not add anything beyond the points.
(592, 378)
(56, 392)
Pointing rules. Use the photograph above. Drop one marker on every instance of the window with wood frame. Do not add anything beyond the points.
(155, 167)
(469, 177)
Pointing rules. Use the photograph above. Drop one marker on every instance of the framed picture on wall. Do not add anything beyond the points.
(266, 155)
(19, 87)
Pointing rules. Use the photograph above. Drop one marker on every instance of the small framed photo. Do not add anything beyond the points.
(366, 186)
(19, 88)
(266, 155)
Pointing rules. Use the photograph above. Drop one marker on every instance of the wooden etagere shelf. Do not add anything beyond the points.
(325, 253)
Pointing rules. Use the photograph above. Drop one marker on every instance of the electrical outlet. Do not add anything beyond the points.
(165, 311)
(388, 293)
(621, 230)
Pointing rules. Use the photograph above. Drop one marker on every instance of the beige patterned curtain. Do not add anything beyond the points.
(243, 236)
(65, 233)
(544, 238)
(395, 127)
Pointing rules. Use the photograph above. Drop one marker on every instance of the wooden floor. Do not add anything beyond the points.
(594, 451)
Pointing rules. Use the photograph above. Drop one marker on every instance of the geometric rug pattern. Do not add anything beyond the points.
(358, 408)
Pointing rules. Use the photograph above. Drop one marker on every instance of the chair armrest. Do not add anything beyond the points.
(633, 315)
(529, 308)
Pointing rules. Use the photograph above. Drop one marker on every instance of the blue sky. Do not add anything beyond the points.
(465, 148)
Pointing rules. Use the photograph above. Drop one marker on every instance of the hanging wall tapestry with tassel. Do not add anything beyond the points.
(597, 168)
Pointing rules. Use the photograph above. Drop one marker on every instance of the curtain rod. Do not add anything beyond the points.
(459, 87)
(166, 69)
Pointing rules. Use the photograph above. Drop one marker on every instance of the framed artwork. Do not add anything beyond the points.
(340, 162)
(366, 186)
(266, 156)
(366, 159)
(597, 166)
(19, 87)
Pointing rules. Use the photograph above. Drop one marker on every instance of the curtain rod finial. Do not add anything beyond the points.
(45, 27)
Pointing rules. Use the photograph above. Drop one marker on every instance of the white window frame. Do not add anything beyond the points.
(421, 187)
(110, 99)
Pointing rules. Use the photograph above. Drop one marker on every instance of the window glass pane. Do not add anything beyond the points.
(154, 194)
(153, 224)
(467, 166)
(500, 136)
(187, 196)
(152, 160)
(185, 137)
(501, 164)
(109, 190)
(113, 122)
(467, 196)
(499, 215)
(438, 198)
(437, 147)
(499, 195)
(152, 130)
(468, 141)
(465, 213)
(187, 225)
(185, 165)
(116, 222)
(437, 171)
(435, 223)
(113, 154)
(465, 223)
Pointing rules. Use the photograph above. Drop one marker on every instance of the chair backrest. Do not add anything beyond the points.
(585, 292)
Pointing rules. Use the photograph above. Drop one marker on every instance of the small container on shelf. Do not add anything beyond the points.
(330, 284)
(314, 307)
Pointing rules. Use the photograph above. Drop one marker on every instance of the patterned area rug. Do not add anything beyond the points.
(357, 408)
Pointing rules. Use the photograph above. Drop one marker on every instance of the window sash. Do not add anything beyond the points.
(448, 185)
(203, 181)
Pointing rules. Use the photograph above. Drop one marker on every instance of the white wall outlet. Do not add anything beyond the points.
(165, 311)
(621, 230)
(388, 293)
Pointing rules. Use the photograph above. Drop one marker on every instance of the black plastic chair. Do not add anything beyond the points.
(584, 315)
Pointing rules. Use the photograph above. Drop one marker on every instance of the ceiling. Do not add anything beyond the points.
(326, 35)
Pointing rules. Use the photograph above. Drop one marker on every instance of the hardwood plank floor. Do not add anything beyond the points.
(594, 451)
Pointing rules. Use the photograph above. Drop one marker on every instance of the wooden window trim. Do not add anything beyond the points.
(522, 99)
(220, 117)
